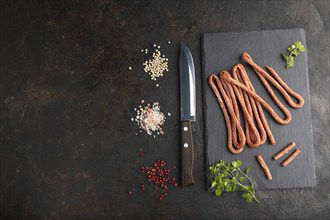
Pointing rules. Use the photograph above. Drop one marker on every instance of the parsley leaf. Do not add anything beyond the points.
(227, 176)
(295, 48)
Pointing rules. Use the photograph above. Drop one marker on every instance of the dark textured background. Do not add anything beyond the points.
(68, 147)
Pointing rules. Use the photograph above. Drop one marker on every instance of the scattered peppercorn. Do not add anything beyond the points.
(156, 66)
(159, 176)
(141, 153)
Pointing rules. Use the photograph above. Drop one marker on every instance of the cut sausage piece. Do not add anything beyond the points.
(284, 151)
(290, 158)
(264, 166)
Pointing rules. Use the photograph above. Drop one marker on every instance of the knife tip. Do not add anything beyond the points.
(183, 45)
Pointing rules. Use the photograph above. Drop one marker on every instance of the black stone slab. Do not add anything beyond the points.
(221, 51)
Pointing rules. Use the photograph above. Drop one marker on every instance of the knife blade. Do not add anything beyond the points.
(188, 113)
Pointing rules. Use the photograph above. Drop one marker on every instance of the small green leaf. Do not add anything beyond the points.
(290, 64)
(218, 180)
(295, 53)
(218, 192)
(245, 195)
(241, 179)
(234, 186)
(228, 188)
(213, 169)
(226, 181)
(284, 56)
(249, 199)
(222, 187)
(239, 163)
(297, 44)
(213, 184)
(248, 188)
(231, 167)
(234, 163)
(247, 170)
(224, 169)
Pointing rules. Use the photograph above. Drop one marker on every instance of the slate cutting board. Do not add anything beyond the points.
(221, 51)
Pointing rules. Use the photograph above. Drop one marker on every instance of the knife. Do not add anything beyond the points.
(188, 114)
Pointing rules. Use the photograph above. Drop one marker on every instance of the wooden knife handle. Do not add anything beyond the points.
(187, 154)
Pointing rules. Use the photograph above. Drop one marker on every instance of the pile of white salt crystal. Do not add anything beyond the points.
(150, 118)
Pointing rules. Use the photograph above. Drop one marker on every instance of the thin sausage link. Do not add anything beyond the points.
(251, 132)
(229, 95)
(215, 87)
(277, 81)
(263, 127)
(288, 90)
(227, 92)
(261, 101)
(238, 89)
(265, 124)
(240, 75)
(224, 88)
(272, 94)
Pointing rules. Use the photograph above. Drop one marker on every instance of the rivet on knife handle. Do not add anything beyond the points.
(187, 154)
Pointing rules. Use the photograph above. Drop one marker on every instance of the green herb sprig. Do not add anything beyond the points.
(295, 48)
(229, 176)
